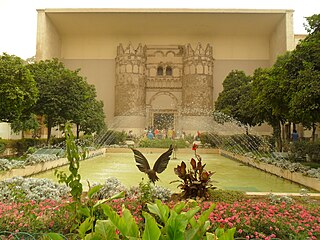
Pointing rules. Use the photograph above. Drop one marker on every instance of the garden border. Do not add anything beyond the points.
(41, 167)
(297, 177)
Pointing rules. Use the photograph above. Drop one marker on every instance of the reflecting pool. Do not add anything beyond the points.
(229, 174)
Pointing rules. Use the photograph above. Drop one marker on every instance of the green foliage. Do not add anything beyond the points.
(90, 116)
(18, 91)
(112, 137)
(247, 142)
(145, 192)
(3, 145)
(92, 227)
(305, 103)
(125, 223)
(195, 181)
(227, 196)
(173, 224)
(162, 143)
(210, 138)
(177, 224)
(299, 151)
(303, 70)
(74, 157)
(21, 146)
(234, 100)
(25, 123)
(66, 96)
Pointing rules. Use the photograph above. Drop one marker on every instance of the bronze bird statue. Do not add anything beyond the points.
(159, 166)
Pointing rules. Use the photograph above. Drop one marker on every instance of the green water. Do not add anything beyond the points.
(229, 174)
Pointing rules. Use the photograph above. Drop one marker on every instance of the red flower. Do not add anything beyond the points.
(194, 147)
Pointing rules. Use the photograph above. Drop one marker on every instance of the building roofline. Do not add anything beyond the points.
(161, 10)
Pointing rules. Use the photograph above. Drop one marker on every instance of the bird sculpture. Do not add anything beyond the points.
(159, 166)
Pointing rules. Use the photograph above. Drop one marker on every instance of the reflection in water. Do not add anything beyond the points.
(229, 174)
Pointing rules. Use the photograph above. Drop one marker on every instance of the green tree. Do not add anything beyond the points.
(18, 90)
(25, 123)
(268, 97)
(66, 96)
(90, 115)
(305, 104)
(303, 70)
(235, 99)
(60, 92)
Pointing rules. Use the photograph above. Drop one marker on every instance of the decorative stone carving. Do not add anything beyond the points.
(169, 68)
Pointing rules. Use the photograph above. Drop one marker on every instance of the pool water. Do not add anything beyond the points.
(229, 174)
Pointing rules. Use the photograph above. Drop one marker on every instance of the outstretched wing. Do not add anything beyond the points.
(141, 161)
(161, 164)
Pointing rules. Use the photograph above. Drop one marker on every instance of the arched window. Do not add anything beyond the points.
(160, 71)
(169, 71)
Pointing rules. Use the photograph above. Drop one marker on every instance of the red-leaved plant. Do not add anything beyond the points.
(195, 181)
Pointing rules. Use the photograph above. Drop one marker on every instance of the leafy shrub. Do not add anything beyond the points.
(147, 192)
(2, 145)
(22, 145)
(300, 150)
(57, 141)
(195, 181)
(227, 196)
(210, 138)
(110, 137)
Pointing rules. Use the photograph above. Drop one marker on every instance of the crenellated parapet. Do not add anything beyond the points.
(198, 60)
(197, 80)
(130, 59)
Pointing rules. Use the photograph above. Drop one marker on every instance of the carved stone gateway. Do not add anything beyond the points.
(166, 80)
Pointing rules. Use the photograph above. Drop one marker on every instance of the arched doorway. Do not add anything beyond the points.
(163, 110)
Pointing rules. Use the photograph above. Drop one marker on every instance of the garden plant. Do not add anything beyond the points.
(121, 215)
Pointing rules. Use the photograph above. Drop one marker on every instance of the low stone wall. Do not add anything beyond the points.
(41, 167)
(161, 150)
(297, 177)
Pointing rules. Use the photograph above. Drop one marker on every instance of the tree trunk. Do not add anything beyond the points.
(277, 135)
(49, 125)
(314, 127)
(78, 130)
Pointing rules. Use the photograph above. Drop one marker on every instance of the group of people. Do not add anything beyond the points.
(155, 133)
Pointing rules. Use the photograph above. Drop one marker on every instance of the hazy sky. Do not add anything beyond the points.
(18, 18)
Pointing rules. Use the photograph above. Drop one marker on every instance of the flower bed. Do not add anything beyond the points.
(252, 218)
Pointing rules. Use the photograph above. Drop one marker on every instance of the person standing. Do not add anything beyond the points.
(295, 136)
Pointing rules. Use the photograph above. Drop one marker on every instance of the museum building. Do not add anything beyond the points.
(162, 67)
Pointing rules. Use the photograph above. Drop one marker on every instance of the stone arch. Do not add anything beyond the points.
(135, 69)
(160, 71)
(169, 70)
(171, 101)
(170, 54)
(159, 54)
(128, 68)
